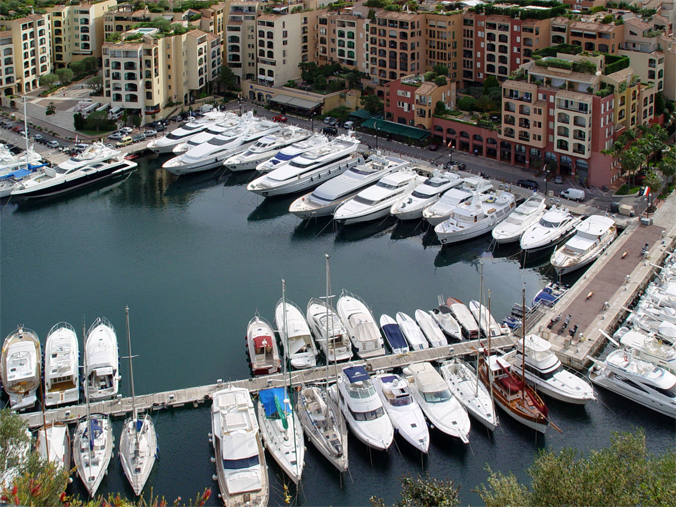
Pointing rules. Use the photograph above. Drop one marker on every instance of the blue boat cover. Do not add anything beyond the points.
(19, 173)
(268, 396)
(139, 424)
(388, 379)
(356, 374)
(394, 336)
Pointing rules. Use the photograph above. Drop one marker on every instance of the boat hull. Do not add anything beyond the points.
(373, 215)
(652, 404)
(459, 236)
(147, 448)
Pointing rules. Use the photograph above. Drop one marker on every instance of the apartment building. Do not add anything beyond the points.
(596, 36)
(411, 100)
(343, 37)
(642, 46)
(144, 75)
(123, 18)
(78, 31)
(241, 41)
(443, 36)
(26, 54)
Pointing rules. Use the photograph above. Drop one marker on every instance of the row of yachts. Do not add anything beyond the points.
(93, 441)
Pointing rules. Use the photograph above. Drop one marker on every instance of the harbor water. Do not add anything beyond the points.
(195, 258)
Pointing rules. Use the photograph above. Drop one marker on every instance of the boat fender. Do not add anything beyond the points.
(213, 460)
(214, 478)
(625, 357)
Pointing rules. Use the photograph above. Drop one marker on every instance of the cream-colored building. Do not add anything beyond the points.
(25, 44)
(77, 31)
(241, 40)
(342, 37)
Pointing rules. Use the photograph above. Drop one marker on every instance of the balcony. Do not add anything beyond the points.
(509, 107)
(524, 136)
(509, 120)
(580, 136)
(579, 150)
(524, 124)
(580, 122)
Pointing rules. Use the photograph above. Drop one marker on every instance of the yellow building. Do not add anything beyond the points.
(443, 34)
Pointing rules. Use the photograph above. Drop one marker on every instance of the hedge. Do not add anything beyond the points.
(615, 64)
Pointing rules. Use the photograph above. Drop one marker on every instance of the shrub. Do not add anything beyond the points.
(466, 103)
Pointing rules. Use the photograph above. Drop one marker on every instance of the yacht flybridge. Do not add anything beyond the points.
(265, 148)
(21, 367)
(186, 132)
(101, 371)
(62, 377)
(592, 236)
(299, 348)
(97, 152)
(290, 152)
(324, 321)
(554, 226)
(526, 214)
(424, 195)
(442, 209)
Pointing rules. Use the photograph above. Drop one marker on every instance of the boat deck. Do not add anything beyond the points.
(196, 395)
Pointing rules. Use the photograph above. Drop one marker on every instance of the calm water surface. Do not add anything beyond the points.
(195, 259)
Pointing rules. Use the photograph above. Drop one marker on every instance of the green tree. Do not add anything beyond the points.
(624, 474)
(440, 69)
(308, 71)
(320, 83)
(48, 80)
(668, 164)
(491, 82)
(653, 181)
(440, 108)
(78, 121)
(51, 109)
(466, 103)
(485, 104)
(440, 81)
(372, 104)
(65, 76)
(424, 492)
(226, 78)
(353, 78)
(631, 160)
(96, 84)
(91, 63)
(136, 120)
(78, 68)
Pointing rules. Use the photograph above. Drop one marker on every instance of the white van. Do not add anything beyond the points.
(573, 194)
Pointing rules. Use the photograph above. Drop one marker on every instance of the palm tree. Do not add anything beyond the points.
(632, 159)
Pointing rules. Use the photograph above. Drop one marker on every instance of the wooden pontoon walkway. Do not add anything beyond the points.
(197, 395)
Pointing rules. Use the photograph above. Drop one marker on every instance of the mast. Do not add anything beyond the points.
(25, 128)
(131, 374)
(287, 370)
(326, 302)
(481, 297)
(523, 345)
(89, 422)
(490, 380)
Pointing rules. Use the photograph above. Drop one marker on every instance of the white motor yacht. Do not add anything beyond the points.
(310, 169)
(375, 202)
(299, 348)
(442, 209)
(92, 449)
(211, 154)
(424, 195)
(53, 444)
(592, 236)
(648, 348)
(545, 372)
(97, 152)
(282, 431)
(291, 152)
(464, 384)
(56, 181)
(441, 408)
(186, 132)
(554, 226)
(406, 415)
(324, 425)
(10, 162)
(262, 347)
(324, 200)
(240, 459)
(21, 367)
(102, 363)
(414, 335)
(393, 335)
(225, 126)
(526, 214)
(476, 217)
(324, 321)
(265, 148)
(464, 317)
(446, 321)
(62, 377)
(360, 325)
(432, 331)
(488, 325)
(640, 381)
(361, 406)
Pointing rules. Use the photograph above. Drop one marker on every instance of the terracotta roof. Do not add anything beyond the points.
(425, 88)
(196, 33)
(397, 15)
(559, 20)
(641, 25)
(269, 17)
(598, 27)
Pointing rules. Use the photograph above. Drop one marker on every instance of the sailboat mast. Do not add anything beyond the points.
(326, 301)
(25, 128)
(287, 368)
(481, 296)
(523, 343)
(89, 422)
(131, 374)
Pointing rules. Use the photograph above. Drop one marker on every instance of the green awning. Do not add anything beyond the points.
(287, 100)
(390, 127)
(361, 114)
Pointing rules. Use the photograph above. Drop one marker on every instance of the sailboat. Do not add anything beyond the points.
(322, 421)
(53, 444)
(92, 447)
(282, 433)
(138, 443)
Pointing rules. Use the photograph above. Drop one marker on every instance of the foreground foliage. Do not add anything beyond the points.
(424, 492)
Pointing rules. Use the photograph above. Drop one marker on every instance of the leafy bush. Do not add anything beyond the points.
(466, 103)
(440, 81)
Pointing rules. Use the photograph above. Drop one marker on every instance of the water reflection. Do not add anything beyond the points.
(234, 179)
(466, 252)
(271, 208)
(359, 232)
(314, 228)
(190, 183)
(409, 228)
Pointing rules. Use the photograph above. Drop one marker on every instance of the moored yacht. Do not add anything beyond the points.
(554, 226)
(53, 444)
(375, 202)
(360, 325)
(62, 377)
(393, 335)
(432, 331)
(445, 320)
(101, 371)
(648, 348)
(262, 347)
(414, 335)
(310, 169)
(299, 348)
(464, 317)
(284, 155)
(21, 367)
(357, 398)
(185, 132)
(442, 209)
(97, 152)
(240, 459)
(225, 126)
(324, 321)
(265, 148)
(488, 325)
(592, 236)
(92, 449)
(476, 217)
(526, 214)
(324, 200)
(424, 195)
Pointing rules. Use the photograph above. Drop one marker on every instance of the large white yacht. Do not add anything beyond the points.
(361, 406)
(375, 202)
(404, 412)
(224, 126)
(640, 381)
(97, 152)
(442, 209)
(265, 148)
(290, 152)
(310, 169)
(546, 373)
(186, 132)
(9, 162)
(212, 153)
(592, 236)
(240, 459)
(92, 449)
(360, 325)
(476, 217)
(442, 410)
(424, 195)
(299, 348)
(526, 214)
(101, 376)
(648, 347)
(324, 200)
(21, 367)
(554, 226)
(324, 321)
(62, 377)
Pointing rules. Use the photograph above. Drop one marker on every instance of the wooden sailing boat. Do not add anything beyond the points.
(511, 393)
(322, 421)
(138, 443)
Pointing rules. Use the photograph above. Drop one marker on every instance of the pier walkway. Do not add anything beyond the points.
(197, 395)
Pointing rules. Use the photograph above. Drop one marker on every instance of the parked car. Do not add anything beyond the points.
(333, 122)
(150, 133)
(531, 184)
(161, 127)
(125, 141)
(37, 137)
(330, 131)
(138, 138)
(280, 118)
(328, 120)
(81, 146)
(434, 147)
(558, 179)
(126, 130)
(53, 144)
(116, 136)
(152, 124)
(348, 125)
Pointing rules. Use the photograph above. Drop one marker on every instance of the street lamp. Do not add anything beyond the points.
(377, 133)
(312, 121)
